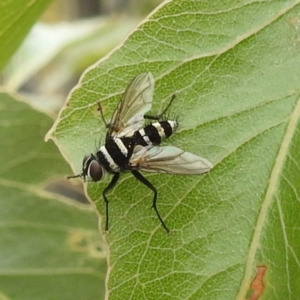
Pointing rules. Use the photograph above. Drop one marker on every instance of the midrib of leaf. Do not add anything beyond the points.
(270, 194)
(286, 243)
(225, 156)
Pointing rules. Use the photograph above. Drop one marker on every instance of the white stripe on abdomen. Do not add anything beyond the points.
(109, 159)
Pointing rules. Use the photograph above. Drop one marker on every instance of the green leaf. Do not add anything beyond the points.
(17, 17)
(49, 249)
(235, 67)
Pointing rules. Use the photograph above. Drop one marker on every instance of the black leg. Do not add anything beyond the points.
(143, 180)
(101, 112)
(162, 113)
(109, 187)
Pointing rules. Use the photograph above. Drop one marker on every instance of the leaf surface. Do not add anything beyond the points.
(235, 66)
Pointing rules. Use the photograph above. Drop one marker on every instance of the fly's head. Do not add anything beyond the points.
(91, 169)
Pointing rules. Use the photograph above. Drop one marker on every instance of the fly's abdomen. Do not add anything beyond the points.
(154, 133)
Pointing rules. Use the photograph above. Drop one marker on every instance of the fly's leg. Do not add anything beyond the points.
(109, 187)
(102, 116)
(159, 117)
(143, 180)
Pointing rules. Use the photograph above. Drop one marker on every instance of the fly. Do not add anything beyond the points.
(130, 145)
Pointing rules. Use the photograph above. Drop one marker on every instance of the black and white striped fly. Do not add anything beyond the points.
(130, 145)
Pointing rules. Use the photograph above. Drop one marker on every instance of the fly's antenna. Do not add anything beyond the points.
(73, 176)
(76, 176)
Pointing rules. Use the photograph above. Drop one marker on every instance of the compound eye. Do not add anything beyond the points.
(95, 170)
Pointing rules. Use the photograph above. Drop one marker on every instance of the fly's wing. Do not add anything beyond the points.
(169, 160)
(135, 102)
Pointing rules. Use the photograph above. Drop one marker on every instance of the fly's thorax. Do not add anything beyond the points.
(107, 160)
(121, 145)
(116, 152)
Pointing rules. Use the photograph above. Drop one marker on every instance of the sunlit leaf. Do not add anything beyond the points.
(235, 67)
